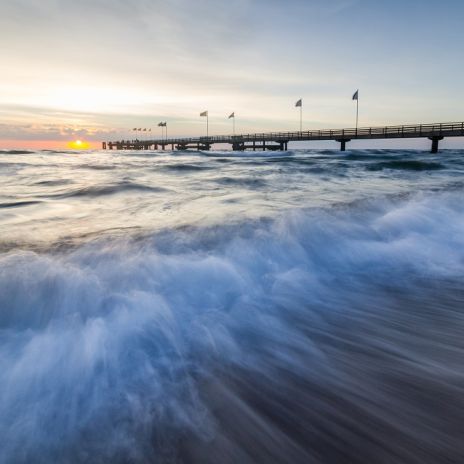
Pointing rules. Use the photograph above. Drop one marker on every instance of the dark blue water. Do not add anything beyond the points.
(297, 307)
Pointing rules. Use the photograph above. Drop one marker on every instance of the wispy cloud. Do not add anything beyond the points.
(53, 132)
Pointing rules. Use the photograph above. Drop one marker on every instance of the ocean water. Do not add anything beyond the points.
(296, 307)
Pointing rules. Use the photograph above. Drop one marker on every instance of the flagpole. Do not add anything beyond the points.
(357, 113)
(299, 103)
(301, 117)
(166, 126)
(205, 114)
(234, 124)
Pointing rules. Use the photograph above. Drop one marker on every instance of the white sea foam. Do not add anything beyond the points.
(125, 350)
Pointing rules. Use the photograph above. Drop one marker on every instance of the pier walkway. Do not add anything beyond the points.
(280, 140)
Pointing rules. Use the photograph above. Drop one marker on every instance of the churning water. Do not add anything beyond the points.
(298, 307)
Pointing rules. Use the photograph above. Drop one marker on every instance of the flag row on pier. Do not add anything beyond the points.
(205, 114)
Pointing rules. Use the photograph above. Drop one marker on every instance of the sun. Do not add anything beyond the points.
(78, 145)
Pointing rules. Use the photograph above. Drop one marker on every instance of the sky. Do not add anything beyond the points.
(95, 69)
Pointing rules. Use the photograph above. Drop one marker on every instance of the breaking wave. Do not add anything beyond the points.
(325, 335)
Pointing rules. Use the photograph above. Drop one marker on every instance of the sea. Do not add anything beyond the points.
(231, 308)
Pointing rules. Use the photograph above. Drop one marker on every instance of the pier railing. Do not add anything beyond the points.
(407, 131)
(435, 132)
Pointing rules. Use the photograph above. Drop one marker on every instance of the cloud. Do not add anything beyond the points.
(53, 132)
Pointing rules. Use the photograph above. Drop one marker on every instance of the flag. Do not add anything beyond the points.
(145, 130)
(205, 113)
(299, 103)
(134, 129)
(232, 115)
(356, 95)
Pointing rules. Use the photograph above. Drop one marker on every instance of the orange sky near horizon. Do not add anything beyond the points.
(43, 145)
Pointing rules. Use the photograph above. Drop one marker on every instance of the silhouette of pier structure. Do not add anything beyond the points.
(280, 140)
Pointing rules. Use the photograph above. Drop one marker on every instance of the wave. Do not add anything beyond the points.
(407, 165)
(250, 182)
(98, 167)
(13, 165)
(326, 335)
(17, 204)
(184, 167)
(376, 154)
(16, 152)
(65, 152)
(54, 182)
(108, 189)
(246, 154)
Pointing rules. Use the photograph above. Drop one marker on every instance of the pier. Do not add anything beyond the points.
(280, 140)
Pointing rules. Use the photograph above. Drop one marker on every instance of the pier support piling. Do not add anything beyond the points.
(343, 143)
(435, 141)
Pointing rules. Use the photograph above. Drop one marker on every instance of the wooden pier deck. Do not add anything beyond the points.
(280, 140)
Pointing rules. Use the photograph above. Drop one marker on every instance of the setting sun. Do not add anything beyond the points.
(78, 145)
